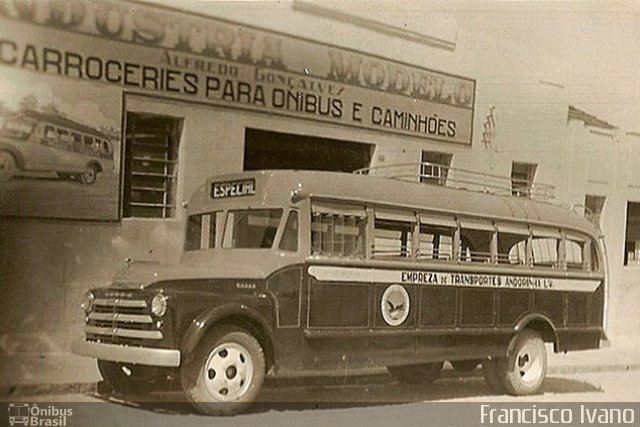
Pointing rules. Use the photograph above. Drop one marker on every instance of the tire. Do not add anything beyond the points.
(465, 365)
(226, 373)
(88, 175)
(523, 371)
(128, 378)
(8, 166)
(491, 376)
(422, 374)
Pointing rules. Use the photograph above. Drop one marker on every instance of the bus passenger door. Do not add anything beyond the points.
(285, 287)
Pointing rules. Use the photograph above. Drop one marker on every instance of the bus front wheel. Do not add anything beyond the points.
(226, 372)
(523, 370)
(8, 166)
(89, 175)
(423, 373)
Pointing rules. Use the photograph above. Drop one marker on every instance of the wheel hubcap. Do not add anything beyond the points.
(228, 372)
(89, 175)
(529, 363)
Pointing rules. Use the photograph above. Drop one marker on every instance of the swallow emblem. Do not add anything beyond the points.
(395, 305)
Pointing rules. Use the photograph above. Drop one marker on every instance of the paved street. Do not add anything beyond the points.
(378, 402)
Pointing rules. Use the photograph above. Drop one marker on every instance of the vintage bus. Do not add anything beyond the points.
(33, 141)
(305, 273)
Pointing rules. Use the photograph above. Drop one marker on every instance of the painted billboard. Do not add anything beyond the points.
(70, 61)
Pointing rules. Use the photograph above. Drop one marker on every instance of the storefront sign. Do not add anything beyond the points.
(144, 47)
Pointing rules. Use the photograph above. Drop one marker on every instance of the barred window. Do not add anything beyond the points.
(151, 165)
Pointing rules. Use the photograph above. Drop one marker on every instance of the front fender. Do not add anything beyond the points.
(14, 152)
(202, 323)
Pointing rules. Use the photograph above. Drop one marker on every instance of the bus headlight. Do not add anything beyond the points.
(159, 305)
(87, 301)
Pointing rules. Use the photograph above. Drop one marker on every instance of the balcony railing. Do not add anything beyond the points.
(437, 174)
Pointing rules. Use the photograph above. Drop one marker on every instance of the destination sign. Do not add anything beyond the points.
(245, 187)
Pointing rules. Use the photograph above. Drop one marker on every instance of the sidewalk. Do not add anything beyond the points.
(36, 373)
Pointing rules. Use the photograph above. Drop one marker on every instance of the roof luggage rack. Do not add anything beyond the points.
(437, 174)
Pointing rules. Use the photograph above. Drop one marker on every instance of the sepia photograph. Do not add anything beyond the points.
(319, 212)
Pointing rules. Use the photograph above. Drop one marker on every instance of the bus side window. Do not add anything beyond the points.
(50, 132)
(338, 230)
(64, 136)
(88, 141)
(436, 237)
(392, 235)
(544, 246)
(574, 251)
(512, 244)
(476, 238)
(289, 240)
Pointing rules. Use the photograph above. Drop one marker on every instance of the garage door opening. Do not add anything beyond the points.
(275, 150)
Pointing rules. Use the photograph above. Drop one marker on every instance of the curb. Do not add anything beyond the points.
(381, 378)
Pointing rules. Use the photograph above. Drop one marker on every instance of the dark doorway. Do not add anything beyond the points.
(275, 150)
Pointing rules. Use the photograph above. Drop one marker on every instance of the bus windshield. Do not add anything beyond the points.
(251, 228)
(18, 127)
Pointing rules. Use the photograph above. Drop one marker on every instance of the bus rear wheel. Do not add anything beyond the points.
(423, 373)
(524, 369)
(226, 372)
(88, 175)
(8, 166)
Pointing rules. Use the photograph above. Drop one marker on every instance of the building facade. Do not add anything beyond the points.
(180, 95)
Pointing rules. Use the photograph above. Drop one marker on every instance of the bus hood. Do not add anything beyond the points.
(223, 265)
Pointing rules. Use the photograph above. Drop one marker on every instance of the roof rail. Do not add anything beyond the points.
(437, 174)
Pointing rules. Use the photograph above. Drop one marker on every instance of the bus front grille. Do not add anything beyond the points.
(112, 319)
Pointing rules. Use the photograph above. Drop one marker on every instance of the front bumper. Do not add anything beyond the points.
(122, 353)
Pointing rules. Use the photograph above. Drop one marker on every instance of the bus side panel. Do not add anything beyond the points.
(338, 305)
(477, 307)
(552, 305)
(438, 307)
(335, 308)
(512, 305)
